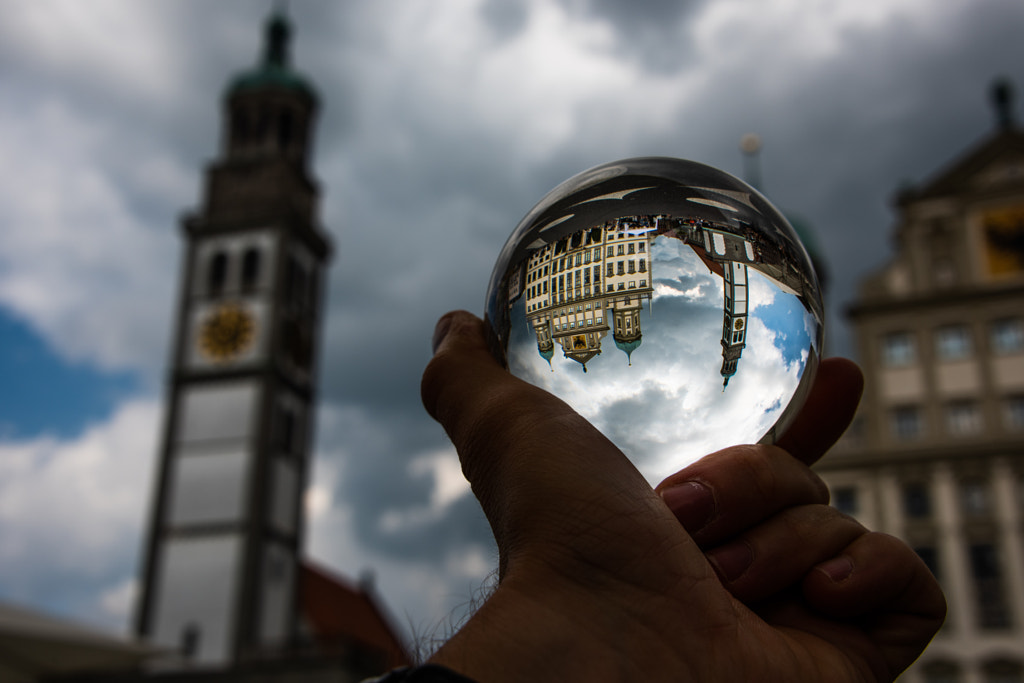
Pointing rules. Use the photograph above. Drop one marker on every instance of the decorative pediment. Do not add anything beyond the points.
(997, 161)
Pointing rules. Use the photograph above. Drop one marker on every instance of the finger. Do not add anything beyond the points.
(542, 473)
(779, 553)
(488, 413)
(828, 411)
(879, 582)
(727, 492)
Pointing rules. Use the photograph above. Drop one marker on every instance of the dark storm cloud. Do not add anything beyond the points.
(506, 19)
(657, 33)
(381, 484)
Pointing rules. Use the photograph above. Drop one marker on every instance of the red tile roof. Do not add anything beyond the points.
(340, 613)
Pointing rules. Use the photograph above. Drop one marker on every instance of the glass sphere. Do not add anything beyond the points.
(667, 302)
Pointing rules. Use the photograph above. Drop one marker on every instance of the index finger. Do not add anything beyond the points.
(827, 413)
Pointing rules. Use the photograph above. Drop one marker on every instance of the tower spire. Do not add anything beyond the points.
(1002, 101)
(277, 39)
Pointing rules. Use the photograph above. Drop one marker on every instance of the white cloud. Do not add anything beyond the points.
(72, 511)
(76, 259)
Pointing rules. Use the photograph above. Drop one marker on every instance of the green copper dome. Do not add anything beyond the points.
(628, 347)
(274, 70)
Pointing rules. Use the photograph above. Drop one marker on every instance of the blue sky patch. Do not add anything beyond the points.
(44, 394)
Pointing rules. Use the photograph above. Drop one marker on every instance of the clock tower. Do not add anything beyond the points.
(221, 565)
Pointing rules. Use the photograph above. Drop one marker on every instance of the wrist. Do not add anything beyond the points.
(568, 632)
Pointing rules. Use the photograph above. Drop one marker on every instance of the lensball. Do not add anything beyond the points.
(666, 301)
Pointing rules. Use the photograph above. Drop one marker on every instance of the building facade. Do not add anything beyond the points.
(936, 453)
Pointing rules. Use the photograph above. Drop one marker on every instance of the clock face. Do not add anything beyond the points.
(226, 332)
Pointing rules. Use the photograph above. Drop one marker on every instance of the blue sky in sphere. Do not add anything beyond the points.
(785, 316)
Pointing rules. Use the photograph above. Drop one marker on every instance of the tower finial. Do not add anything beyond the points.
(1002, 100)
(278, 35)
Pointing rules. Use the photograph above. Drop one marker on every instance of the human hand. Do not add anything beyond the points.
(600, 581)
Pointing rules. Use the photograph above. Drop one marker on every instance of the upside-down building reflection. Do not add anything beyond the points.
(587, 284)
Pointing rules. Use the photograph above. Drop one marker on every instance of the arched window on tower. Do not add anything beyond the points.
(250, 270)
(239, 128)
(284, 130)
(217, 275)
(296, 284)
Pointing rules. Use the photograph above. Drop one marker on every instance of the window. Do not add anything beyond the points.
(632, 248)
(993, 612)
(610, 251)
(250, 270)
(941, 672)
(975, 497)
(905, 423)
(844, 499)
(1013, 413)
(1003, 671)
(1008, 336)
(930, 556)
(917, 502)
(963, 418)
(641, 247)
(899, 349)
(953, 342)
(218, 273)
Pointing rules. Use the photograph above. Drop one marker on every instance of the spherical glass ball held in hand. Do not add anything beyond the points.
(667, 302)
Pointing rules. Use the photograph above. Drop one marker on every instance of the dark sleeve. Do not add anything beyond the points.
(428, 673)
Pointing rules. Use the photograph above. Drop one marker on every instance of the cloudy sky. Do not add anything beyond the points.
(442, 124)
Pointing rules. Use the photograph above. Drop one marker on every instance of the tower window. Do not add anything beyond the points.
(297, 284)
(284, 130)
(218, 274)
(250, 270)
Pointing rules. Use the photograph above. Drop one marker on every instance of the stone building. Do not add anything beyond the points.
(936, 453)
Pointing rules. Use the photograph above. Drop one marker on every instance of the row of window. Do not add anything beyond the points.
(975, 498)
(630, 248)
(996, 671)
(960, 418)
(589, 322)
(578, 293)
(953, 342)
(220, 263)
(300, 284)
(991, 608)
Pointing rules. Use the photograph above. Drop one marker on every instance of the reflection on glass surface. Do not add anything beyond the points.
(197, 586)
(219, 412)
(208, 487)
(666, 301)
